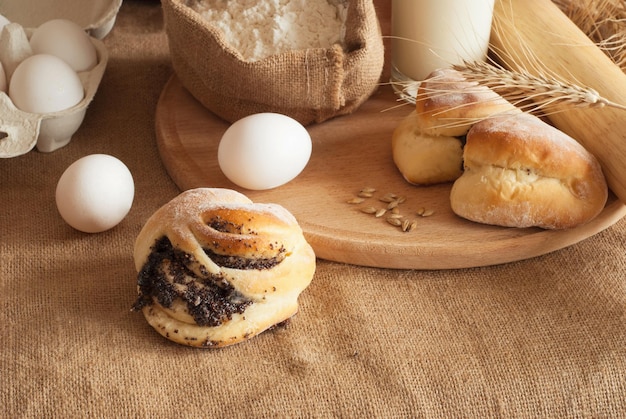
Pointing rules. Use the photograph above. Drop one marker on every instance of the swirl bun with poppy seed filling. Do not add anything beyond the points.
(215, 269)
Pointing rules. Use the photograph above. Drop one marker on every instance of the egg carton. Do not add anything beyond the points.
(97, 17)
(22, 131)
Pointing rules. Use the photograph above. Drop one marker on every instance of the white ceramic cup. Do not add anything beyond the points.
(432, 34)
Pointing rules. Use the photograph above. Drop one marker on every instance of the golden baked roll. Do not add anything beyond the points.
(447, 104)
(522, 172)
(425, 159)
(427, 145)
(214, 268)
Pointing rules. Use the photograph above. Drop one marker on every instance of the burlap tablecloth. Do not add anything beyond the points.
(544, 337)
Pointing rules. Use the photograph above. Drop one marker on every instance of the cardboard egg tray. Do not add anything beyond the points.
(22, 131)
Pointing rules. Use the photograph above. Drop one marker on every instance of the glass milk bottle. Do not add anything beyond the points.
(432, 34)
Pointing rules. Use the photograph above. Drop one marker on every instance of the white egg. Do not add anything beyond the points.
(67, 40)
(43, 83)
(3, 22)
(95, 193)
(264, 151)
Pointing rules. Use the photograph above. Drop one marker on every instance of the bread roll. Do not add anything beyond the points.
(447, 104)
(521, 172)
(424, 159)
(426, 145)
(214, 268)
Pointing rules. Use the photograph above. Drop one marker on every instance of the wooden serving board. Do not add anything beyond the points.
(350, 153)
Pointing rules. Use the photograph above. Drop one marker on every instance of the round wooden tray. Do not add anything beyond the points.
(350, 153)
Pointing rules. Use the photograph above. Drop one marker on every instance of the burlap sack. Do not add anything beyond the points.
(310, 85)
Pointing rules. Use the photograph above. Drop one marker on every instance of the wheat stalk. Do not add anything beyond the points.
(518, 87)
(537, 94)
(603, 21)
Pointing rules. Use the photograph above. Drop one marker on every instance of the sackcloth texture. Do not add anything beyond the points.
(544, 337)
(308, 85)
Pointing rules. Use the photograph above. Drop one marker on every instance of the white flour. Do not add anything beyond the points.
(258, 29)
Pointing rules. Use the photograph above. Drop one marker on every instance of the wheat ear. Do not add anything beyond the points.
(519, 87)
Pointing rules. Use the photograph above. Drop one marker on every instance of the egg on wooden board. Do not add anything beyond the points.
(44, 83)
(95, 193)
(264, 151)
(65, 39)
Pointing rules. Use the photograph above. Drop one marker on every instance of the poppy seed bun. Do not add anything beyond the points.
(215, 269)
